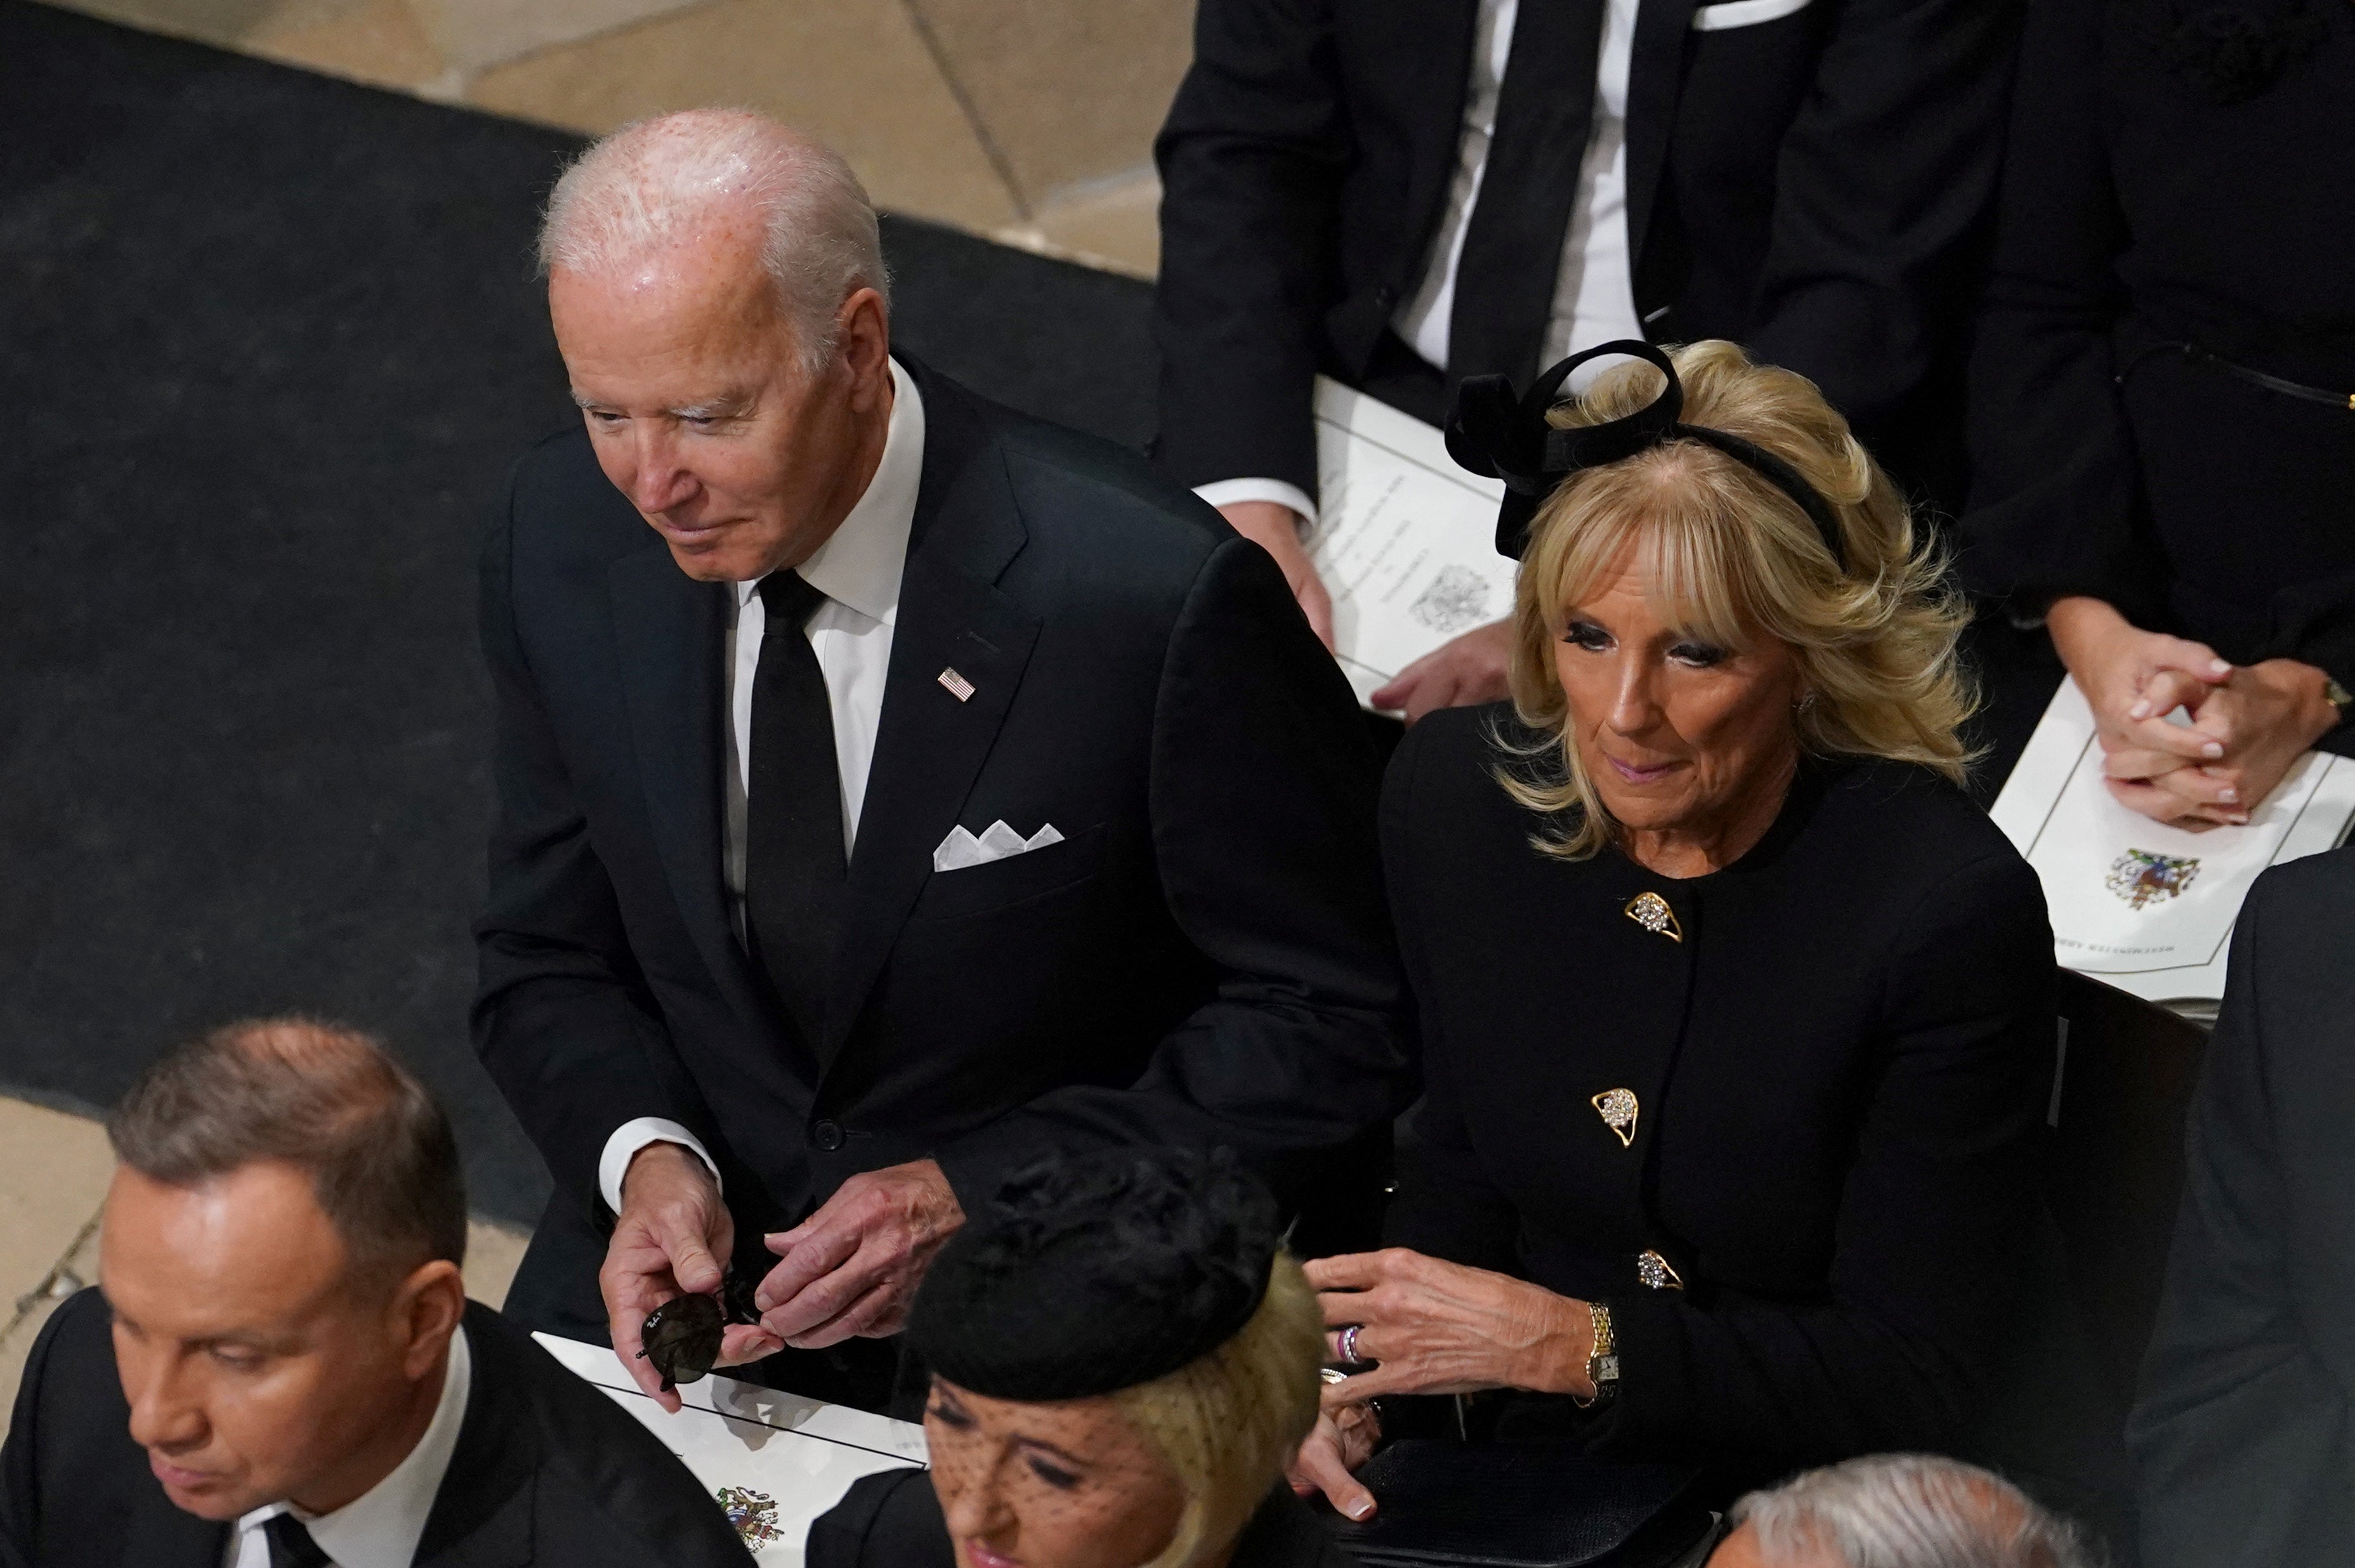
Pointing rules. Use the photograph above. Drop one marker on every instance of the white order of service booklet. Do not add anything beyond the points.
(773, 1461)
(2143, 906)
(1405, 541)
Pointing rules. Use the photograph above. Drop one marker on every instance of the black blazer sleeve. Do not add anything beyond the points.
(2054, 489)
(1446, 1206)
(2243, 1438)
(1270, 873)
(891, 1519)
(1928, 1231)
(1881, 190)
(1251, 162)
(561, 1017)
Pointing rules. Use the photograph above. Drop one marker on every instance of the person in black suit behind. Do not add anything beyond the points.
(280, 1368)
(2243, 1436)
(892, 788)
(1737, 1016)
(2162, 451)
(1403, 193)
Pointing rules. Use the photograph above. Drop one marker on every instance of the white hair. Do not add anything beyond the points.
(1907, 1510)
(664, 182)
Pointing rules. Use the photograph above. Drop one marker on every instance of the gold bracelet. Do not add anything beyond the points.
(1601, 1358)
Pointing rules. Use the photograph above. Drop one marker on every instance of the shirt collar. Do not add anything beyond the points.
(861, 564)
(382, 1527)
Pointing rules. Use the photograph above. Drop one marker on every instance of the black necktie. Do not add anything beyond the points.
(1512, 247)
(794, 867)
(291, 1545)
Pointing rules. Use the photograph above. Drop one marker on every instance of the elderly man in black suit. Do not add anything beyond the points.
(1403, 193)
(282, 1368)
(892, 788)
(2244, 1434)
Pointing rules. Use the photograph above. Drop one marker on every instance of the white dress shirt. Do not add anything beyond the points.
(858, 569)
(1594, 292)
(382, 1527)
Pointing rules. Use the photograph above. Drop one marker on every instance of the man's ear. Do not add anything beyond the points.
(862, 336)
(427, 1308)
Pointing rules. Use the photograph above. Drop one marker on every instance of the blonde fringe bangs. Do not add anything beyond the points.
(1229, 1421)
(1730, 559)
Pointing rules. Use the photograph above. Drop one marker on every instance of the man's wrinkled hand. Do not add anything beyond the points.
(851, 1269)
(1473, 669)
(671, 1238)
(1275, 528)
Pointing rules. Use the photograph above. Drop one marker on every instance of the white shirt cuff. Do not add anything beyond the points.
(628, 1139)
(1227, 492)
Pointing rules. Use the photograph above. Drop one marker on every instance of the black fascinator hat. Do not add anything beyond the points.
(1095, 1273)
(1499, 434)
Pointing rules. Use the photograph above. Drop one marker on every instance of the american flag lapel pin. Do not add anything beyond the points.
(958, 686)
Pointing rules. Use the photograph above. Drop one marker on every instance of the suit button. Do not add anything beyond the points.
(828, 1137)
(1386, 297)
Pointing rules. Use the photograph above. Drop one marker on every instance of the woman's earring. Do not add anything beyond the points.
(1806, 701)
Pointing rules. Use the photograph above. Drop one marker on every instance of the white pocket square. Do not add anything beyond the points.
(997, 842)
(1728, 14)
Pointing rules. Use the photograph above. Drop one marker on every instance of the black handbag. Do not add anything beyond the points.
(1519, 1505)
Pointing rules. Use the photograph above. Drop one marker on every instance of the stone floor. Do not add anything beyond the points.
(1028, 121)
(54, 1170)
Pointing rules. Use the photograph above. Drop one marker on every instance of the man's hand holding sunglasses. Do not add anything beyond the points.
(671, 1238)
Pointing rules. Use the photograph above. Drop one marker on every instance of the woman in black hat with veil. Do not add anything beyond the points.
(1124, 1357)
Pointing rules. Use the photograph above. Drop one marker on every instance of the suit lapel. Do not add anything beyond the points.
(1655, 76)
(160, 1536)
(932, 744)
(669, 630)
(482, 1517)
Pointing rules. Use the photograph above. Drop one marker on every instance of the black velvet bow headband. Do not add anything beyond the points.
(1496, 433)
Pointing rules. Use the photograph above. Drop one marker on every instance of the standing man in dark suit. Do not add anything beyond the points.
(891, 788)
(1403, 193)
(2244, 1434)
(282, 1368)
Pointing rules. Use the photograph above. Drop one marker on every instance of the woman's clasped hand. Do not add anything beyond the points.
(1418, 1325)
(2249, 723)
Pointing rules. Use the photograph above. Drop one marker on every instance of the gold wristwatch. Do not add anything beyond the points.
(1601, 1358)
(2336, 695)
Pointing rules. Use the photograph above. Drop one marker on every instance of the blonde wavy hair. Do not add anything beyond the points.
(1731, 560)
(1229, 1421)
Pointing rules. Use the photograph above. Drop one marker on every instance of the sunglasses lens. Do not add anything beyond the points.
(682, 1338)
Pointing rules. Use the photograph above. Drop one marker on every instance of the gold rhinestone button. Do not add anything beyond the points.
(1651, 911)
(1617, 1108)
(1653, 1271)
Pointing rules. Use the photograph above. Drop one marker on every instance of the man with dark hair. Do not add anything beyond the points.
(275, 1373)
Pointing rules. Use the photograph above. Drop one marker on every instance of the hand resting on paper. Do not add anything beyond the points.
(1430, 1326)
(1473, 669)
(1275, 528)
(2250, 724)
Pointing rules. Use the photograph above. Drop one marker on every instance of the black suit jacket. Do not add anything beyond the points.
(893, 1521)
(1840, 1073)
(1204, 958)
(1813, 186)
(548, 1469)
(2137, 212)
(2245, 1436)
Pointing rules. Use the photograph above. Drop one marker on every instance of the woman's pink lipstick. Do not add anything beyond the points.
(1635, 775)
